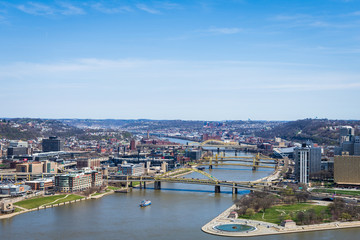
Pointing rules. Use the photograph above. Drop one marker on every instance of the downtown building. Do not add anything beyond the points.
(80, 181)
(307, 161)
(349, 143)
(53, 144)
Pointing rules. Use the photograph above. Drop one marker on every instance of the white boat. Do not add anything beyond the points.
(145, 203)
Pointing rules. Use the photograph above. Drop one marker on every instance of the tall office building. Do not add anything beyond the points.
(346, 134)
(348, 142)
(307, 161)
(53, 144)
(357, 146)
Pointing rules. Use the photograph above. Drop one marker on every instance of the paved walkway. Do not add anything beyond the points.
(265, 228)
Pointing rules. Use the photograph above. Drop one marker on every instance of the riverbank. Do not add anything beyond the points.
(56, 203)
(266, 228)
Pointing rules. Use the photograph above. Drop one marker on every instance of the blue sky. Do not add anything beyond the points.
(200, 60)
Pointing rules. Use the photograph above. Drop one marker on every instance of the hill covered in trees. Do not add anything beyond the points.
(322, 131)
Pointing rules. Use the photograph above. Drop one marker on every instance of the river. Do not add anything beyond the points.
(178, 211)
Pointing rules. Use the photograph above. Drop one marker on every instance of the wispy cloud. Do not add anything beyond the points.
(224, 30)
(36, 9)
(3, 20)
(147, 9)
(110, 10)
(168, 5)
(69, 9)
(62, 8)
(306, 20)
(356, 13)
(310, 87)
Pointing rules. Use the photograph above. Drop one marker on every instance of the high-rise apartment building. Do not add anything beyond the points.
(307, 161)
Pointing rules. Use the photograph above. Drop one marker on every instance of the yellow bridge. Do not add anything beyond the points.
(210, 180)
(255, 161)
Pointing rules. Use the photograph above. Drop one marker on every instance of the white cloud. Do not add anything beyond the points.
(101, 8)
(168, 5)
(357, 13)
(40, 9)
(69, 9)
(36, 9)
(145, 8)
(224, 30)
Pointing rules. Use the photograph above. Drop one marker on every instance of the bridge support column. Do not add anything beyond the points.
(210, 166)
(157, 185)
(235, 153)
(234, 189)
(217, 188)
(144, 185)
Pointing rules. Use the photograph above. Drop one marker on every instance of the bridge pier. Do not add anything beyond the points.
(210, 167)
(157, 185)
(234, 189)
(217, 188)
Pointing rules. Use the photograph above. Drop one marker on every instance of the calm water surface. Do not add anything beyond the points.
(178, 211)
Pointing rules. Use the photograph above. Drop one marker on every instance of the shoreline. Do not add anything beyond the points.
(265, 228)
(10, 215)
(23, 210)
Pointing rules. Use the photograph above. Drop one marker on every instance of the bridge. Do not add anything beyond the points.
(210, 180)
(221, 144)
(255, 161)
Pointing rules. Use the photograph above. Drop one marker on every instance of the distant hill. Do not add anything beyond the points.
(29, 128)
(321, 131)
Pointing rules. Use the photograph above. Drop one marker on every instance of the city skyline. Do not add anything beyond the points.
(202, 60)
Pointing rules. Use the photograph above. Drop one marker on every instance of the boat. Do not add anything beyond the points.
(145, 203)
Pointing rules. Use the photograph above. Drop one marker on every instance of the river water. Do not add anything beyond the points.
(178, 211)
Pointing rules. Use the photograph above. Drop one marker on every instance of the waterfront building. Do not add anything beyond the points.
(14, 190)
(79, 181)
(53, 144)
(307, 161)
(346, 170)
(41, 184)
(132, 169)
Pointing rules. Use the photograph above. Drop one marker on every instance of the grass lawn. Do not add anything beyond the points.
(96, 194)
(344, 192)
(39, 201)
(71, 197)
(18, 210)
(113, 188)
(274, 214)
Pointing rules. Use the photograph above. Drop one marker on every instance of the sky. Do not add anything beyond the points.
(191, 60)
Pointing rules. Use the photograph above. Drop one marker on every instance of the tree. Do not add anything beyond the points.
(250, 211)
